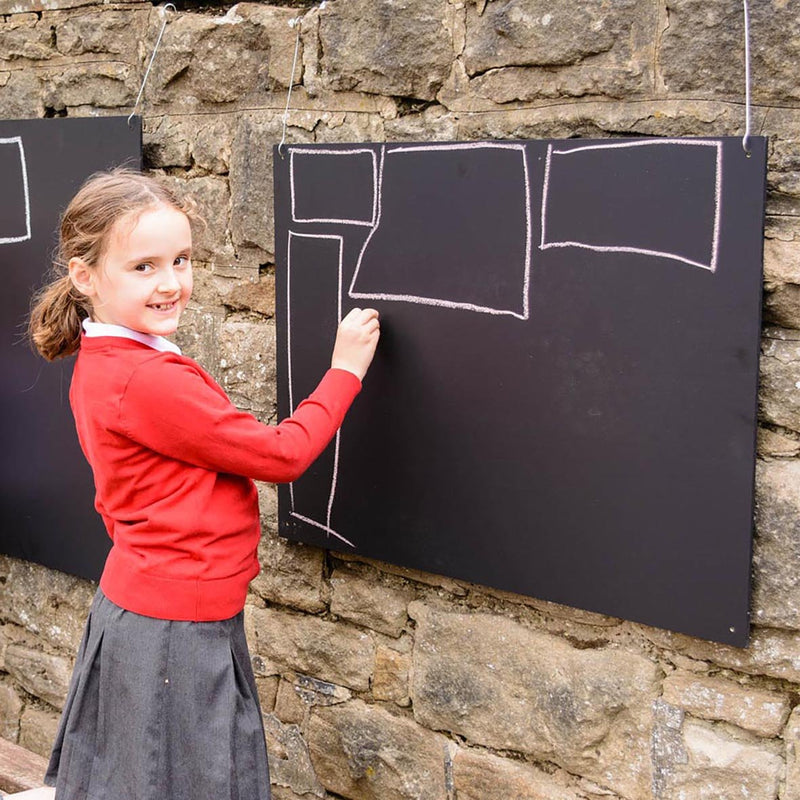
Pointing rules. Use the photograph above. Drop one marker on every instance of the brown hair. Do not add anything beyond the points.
(58, 308)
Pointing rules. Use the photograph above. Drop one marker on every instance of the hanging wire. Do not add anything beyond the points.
(163, 10)
(293, 23)
(746, 139)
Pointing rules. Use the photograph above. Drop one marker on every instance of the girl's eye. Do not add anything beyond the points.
(182, 261)
(143, 267)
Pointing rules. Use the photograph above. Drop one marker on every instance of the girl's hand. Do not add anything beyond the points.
(356, 341)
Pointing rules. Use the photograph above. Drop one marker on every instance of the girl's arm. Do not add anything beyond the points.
(170, 406)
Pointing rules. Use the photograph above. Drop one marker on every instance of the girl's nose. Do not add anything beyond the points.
(169, 282)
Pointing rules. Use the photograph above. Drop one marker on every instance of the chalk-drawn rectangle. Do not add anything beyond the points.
(461, 241)
(658, 197)
(313, 261)
(15, 211)
(336, 186)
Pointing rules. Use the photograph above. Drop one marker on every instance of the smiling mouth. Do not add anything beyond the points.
(163, 306)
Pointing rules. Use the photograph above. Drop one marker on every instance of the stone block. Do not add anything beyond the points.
(274, 21)
(348, 127)
(791, 737)
(99, 32)
(49, 604)
(38, 6)
(165, 143)
(21, 94)
(719, 766)
(208, 288)
(782, 281)
(783, 171)
(268, 503)
(782, 260)
(189, 139)
(263, 668)
(198, 336)
(289, 759)
(702, 50)
(314, 692)
(257, 297)
(502, 685)
(776, 556)
(298, 693)
(252, 197)
(289, 708)
(29, 40)
(291, 574)
(43, 675)
(779, 400)
(576, 622)
(359, 596)
(364, 752)
(777, 445)
(206, 59)
(211, 240)
(481, 776)
(390, 681)
(771, 652)
(100, 84)
(667, 751)
(11, 706)
(211, 142)
(37, 730)
(538, 33)
(782, 305)
(386, 47)
(521, 50)
(449, 585)
(267, 687)
(325, 650)
(247, 362)
(595, 119)
(432, 124)
(712, 698)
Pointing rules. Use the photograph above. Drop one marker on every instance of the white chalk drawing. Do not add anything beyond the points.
(325, 526)
(11, 141)
(307, 152)
(523, 311)
(710, 265)
(378, 162)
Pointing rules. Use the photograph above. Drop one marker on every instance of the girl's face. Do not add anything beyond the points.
(144, 280)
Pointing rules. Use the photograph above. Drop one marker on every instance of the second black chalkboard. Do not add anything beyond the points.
(563, 402)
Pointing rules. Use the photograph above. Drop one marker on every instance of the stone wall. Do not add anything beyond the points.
(380, 683)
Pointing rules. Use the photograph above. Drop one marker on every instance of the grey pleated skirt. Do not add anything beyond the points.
(160, 710)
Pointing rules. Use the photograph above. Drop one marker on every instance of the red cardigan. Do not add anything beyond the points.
(172, 459)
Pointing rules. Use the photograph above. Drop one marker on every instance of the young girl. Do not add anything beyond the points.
(162, 704)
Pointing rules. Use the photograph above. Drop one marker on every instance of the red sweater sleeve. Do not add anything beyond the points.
(172, 407)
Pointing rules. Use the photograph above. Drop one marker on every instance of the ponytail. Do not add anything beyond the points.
(54, 325)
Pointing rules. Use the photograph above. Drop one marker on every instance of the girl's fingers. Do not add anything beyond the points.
(361, 316)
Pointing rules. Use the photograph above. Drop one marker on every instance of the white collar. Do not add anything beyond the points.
(151, 340)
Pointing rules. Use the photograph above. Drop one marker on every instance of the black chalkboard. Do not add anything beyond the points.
(563, 403)
(47, 510)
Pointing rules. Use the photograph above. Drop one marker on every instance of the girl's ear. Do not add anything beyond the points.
(82, 277)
